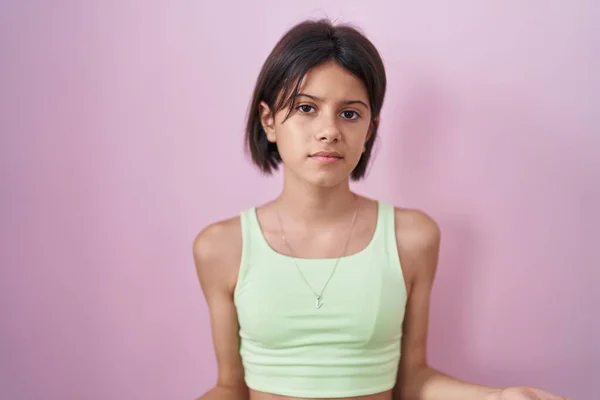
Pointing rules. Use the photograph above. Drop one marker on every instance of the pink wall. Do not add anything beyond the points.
(107, 110)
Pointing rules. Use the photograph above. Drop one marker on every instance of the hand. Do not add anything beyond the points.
(524, 393)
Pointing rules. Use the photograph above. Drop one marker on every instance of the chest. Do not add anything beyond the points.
(363, 302)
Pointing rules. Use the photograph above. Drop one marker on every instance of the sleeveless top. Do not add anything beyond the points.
(350, 346)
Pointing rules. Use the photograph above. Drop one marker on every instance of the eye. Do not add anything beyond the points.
(348, 114)
(304, 108)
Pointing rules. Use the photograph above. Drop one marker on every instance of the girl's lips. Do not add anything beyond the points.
(326, 158)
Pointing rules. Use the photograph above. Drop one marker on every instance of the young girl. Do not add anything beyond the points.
(322, 293)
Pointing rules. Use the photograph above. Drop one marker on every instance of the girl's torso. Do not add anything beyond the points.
(346, 345)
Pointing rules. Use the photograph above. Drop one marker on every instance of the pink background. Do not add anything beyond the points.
(108, 110)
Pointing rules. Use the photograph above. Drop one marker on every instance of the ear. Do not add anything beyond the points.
(372, 129)
(267, 120)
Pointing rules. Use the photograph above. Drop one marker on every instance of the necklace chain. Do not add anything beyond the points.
(319, 296)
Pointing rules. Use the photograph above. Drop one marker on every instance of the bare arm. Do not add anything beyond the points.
(217, 252)
(418, 238)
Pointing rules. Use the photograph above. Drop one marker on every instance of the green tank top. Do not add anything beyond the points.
(350, 346)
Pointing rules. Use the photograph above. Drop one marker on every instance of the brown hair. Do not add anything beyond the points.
(303, 47)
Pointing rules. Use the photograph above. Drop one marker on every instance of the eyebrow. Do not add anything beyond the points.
(346, 102)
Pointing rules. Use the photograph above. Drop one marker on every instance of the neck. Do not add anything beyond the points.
(316, 205)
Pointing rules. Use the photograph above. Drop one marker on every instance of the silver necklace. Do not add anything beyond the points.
(319, 296)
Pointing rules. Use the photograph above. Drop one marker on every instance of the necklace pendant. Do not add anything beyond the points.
(319, 303)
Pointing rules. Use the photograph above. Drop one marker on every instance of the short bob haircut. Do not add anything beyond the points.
(304, 46)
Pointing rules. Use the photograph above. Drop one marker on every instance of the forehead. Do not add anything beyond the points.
(332, 82)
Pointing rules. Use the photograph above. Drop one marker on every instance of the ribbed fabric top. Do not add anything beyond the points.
(348, 347)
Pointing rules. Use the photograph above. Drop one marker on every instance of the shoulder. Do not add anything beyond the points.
(416, 227)
(418, 238)
(217, 251)
(217, 237)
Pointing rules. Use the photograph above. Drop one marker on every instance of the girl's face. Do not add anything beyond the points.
(324, 136)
